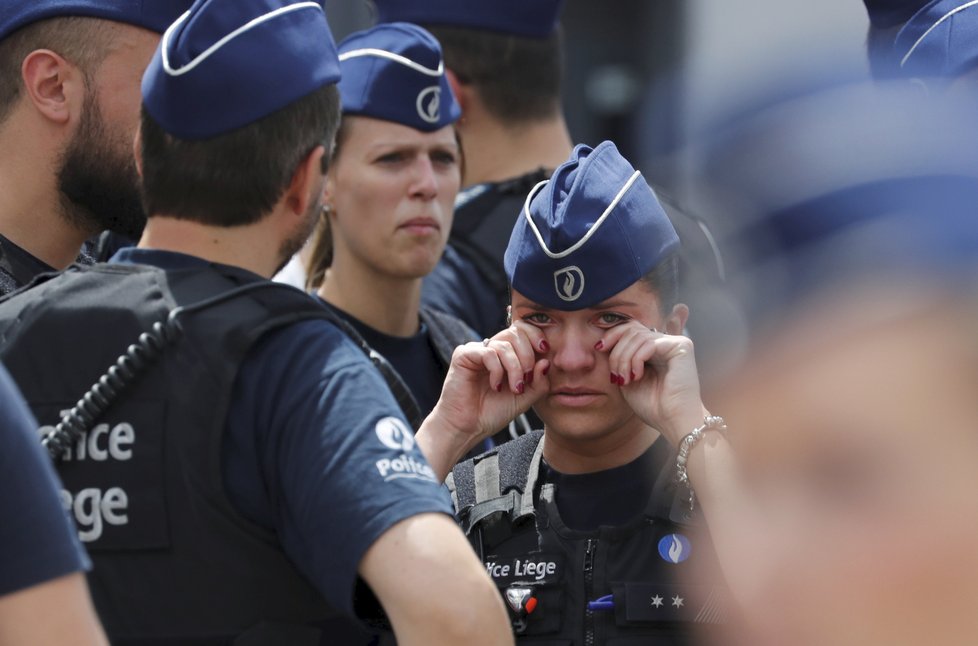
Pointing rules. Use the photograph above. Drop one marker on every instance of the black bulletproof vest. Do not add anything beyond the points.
(174, 563)
(649, 582)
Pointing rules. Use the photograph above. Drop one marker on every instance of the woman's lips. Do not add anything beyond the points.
(575, 397)
(421, 226)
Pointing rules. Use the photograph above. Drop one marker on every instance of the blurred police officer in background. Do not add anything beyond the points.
(934, 42)
(43, 596)
(390, 191)
(69, 106)
(504, 61)
(855, 410)
(243, 464)
(583, 526)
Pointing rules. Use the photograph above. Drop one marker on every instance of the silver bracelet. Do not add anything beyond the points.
(710, 423)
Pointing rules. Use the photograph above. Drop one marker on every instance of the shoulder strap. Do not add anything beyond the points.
(499, 481)
(402, 394)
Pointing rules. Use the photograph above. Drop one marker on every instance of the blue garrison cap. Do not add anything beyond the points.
(590, 231)
(228, 63)
(890, 13)
(940, 40)
(395, 72)
(155, 15)
(529, 18)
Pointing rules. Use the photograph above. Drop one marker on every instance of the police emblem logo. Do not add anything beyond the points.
(569, 283)
(394, 434)
(429, 104)
(675, 548)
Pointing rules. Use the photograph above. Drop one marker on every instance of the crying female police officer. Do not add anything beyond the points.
(588, 528)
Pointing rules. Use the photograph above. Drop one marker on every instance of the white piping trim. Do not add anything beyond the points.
(224, 41)
(591, 231)
(934, 26)
(397, 58)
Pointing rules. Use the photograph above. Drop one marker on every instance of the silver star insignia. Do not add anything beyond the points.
(677, 601)
(656, 601)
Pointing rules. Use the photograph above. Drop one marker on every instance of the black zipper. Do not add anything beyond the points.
(592, 545)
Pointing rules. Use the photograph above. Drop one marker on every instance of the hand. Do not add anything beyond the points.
(658, 378)
(489, 385)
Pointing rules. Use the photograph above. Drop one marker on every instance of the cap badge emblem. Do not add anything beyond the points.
(429, 104)
(569, 283)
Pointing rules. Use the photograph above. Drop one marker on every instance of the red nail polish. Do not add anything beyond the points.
(621, 380)
(544, 346)
(614, 378)
(546, 371)
(520, 388)
(599, 345)
(499, 387)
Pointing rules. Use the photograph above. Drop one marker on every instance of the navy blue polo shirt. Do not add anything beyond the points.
(316, 448)
(37, 541)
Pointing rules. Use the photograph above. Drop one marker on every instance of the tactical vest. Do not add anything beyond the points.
(174, 563)
(647, 582)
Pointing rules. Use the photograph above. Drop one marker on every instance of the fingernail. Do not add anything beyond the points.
(621, 380)
(520, 388)
(546, 370)
(544, 346)
(599, 345)
(499, 387)
(614, 378)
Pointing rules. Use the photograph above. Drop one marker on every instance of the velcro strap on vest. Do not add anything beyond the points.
(505, 504)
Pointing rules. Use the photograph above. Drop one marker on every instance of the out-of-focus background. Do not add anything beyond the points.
(648, 74)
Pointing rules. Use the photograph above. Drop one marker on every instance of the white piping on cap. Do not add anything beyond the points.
(207, 53)
(934, 26)
(397, 58)
(591, 231)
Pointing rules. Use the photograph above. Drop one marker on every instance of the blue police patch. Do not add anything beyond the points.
(675, 548)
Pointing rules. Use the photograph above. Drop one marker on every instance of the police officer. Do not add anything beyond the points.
(69, 75)
(389, 193)
(242, 466)
(929, 41)
(587, 528)
(41, 559)
(504, 64)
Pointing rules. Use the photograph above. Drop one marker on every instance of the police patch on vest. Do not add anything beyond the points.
(539, 569)
(652, 602)
(113, 479)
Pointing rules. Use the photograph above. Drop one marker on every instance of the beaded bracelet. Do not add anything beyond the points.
(710, 423)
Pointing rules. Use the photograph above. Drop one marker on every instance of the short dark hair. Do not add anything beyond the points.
(82, 41)
(235, 178)
(663, 281)
(517, 78)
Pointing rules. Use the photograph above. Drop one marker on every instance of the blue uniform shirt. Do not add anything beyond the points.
(37, 541)
(316, 449)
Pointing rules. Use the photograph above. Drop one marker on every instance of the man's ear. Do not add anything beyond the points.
(307, 181)
(676, 321)
(462, 91)
(54, 86)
